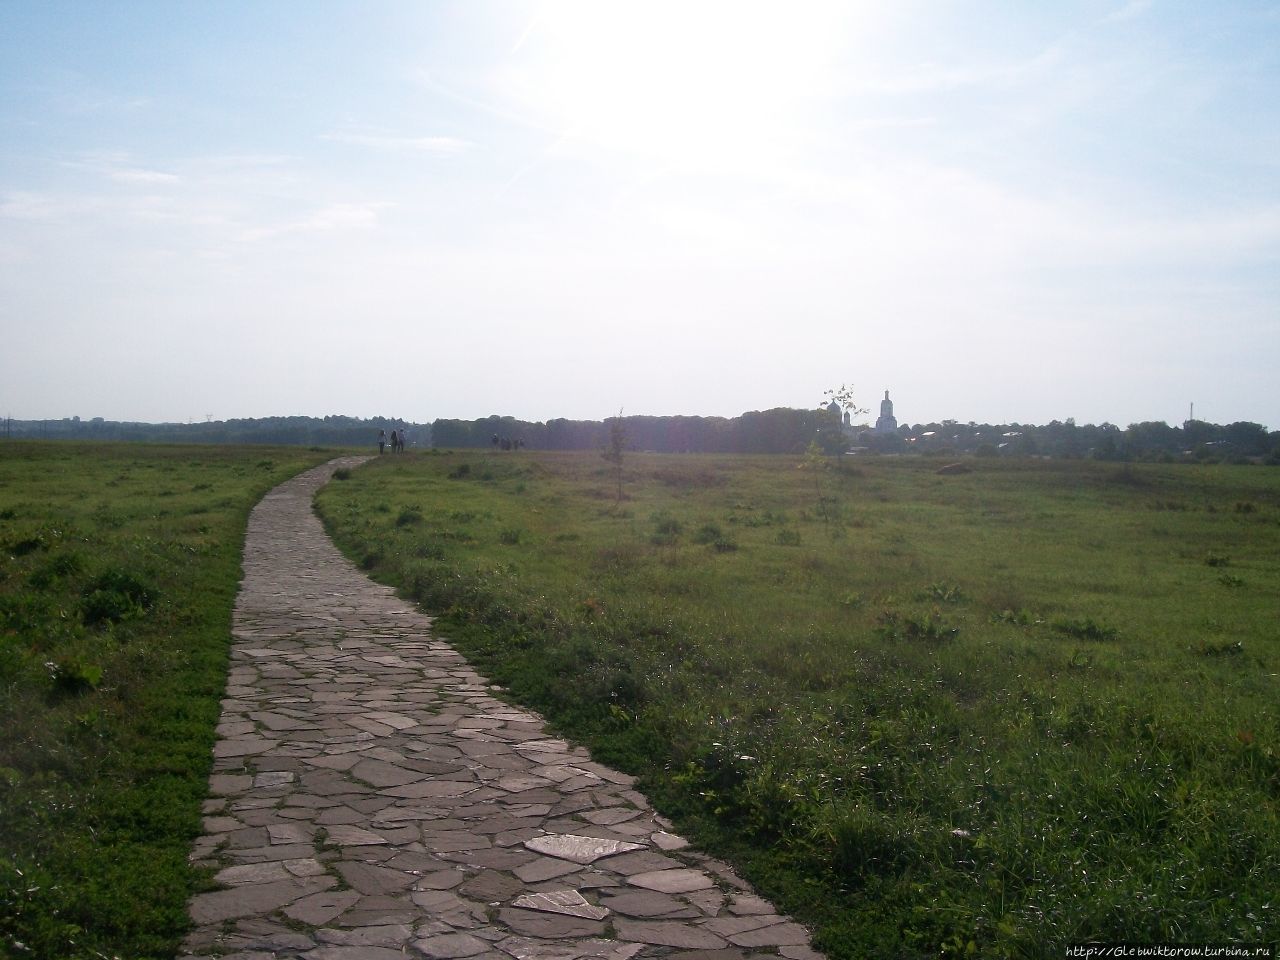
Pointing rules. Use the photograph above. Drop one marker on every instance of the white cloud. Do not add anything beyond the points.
(138, 175)
(1129, 11)
(434, 146)
(329, 218)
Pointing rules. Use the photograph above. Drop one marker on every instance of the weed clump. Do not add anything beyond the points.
(72, 675)
(58, 568)
(20, 548)
(708, 533)
(409, 517)
(895, 626)
(666, 529)
(427, 550)
(944, 593)
(1018, 618)
(114, 596)
(1085, 628)
(1222, 648)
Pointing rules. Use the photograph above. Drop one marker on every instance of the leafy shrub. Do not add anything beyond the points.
(510, 536)
(1246, 506)
(342, 473)
(461, 472)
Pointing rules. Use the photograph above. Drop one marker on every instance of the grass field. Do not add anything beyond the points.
(991, 713)
(118, 569)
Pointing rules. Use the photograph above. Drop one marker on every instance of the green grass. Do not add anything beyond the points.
(119, 566)
(990, 713)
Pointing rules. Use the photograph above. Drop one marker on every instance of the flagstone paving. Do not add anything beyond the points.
(372, 797)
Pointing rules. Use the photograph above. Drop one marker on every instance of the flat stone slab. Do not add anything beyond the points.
(373, 798)
(582, 850)
(256, 899)
(447, 946)
(672, 881)
(570, 903)
(669, 934)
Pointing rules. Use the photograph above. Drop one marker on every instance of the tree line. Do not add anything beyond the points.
(790, 430)
(786, 430)
(331, 431)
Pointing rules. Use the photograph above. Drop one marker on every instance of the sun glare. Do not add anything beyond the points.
(698, 85)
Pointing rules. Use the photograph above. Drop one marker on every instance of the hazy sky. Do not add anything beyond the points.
(998, 211)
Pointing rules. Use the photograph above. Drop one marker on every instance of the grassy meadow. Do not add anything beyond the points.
(989, 713)
(119, 566)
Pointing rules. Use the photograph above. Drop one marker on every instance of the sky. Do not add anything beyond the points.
(998, 212)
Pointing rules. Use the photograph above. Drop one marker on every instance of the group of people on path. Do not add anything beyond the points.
(397, 441)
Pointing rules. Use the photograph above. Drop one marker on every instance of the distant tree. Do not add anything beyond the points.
(615, 449)
(831, 435)
(1247, 439)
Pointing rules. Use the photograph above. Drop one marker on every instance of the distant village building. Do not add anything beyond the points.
(883, 436)
(886, 422)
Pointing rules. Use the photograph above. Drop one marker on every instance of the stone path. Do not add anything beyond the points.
(371, 798)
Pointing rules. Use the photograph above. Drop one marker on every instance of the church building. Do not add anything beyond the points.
(886, 422)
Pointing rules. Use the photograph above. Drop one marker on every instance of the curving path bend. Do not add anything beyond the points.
(372, 799)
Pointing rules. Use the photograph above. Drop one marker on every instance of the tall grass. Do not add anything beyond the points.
(929, 714)
(119, 566)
